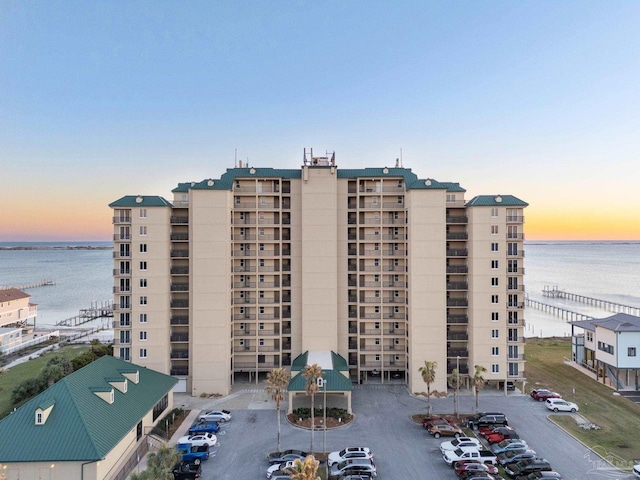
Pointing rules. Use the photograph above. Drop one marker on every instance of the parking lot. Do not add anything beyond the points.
(402, 449)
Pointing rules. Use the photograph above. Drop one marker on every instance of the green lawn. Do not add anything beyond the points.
(13, 376)
(618, 417)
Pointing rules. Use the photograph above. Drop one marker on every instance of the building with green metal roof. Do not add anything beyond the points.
(244, 272)
(87, 425)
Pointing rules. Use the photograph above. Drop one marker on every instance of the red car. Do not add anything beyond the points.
(501, 433)
(480, 468)
(542, 395)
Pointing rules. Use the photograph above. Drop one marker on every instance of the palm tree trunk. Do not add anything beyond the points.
(278, 408)
(429, 399)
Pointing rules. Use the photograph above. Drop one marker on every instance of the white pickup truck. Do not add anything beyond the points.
(469, 453)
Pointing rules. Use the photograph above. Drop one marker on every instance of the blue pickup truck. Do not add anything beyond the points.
(192, 453)
(204, 427)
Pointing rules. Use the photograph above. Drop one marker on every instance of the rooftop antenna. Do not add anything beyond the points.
(401, 158)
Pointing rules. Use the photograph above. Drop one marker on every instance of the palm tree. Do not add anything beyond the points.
(304, 469)
(428, 372)
(312, 373)
(478, 381)
(159, 464)
(277, 381)
(454, 382)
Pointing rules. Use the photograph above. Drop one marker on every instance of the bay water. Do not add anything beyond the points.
(82, 272)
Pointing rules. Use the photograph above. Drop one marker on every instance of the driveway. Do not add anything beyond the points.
(402, 449)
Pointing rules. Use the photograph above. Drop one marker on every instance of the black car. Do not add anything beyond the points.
(187, 471)
(540, 476)
(525, 467)
(492, 419)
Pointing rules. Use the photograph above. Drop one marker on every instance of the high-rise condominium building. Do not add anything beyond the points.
(241, 274)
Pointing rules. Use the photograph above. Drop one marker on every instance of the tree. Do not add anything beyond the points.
(277, 381)
(304, 469)
(454, 382)
(478, 381)
(55, 370)
(312, 373)
(428, 372)
(159, 464)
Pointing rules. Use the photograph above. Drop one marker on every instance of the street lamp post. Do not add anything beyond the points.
(457, 382)
(323, 384)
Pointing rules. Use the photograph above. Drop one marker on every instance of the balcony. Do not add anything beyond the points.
(179, 372)
(457, 269)
(457, 286)
(454, 353)
(119, 272)
(180, 237)
(121, 237)
(457, 252)
(515, 270)
(457, 319)
(457, 236)
(122, 289)
(517, 305)
(457, 336)
(180, 337)
(179, 253)
(515, 219)
(179, 320)
(179, 270)
(457, 302)
(179, 220)
(124, 220)
(243, 253)
(179, 287)
(249, 285)
(179, 304)
(370, 331)
(244, 349)
(183, 354)
(458, 219)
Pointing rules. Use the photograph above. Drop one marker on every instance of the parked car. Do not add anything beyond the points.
(467, 468)
(278, 468)
(353, 466)
(200, 439)
(512, 455)
(193, 453)
(519, 457)
(525, 467)
(509, 444)
(487, 420)
(460, 442)
(215, 416)
(542, 395)
(541, 476)
(559, 405)
(187, 471)
(428, 422)
(285, 456)
(510, 386)
(501, 433)
(445, 431)
(204, 427)
(356, 476)
(350, 452)
(636, 470)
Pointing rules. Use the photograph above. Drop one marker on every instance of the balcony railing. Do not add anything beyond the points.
(515, 219)
(457, 219)
(457, 286)
(121, 219)
(457, 302)
(461, 269)
(457, 252)
(179, 220)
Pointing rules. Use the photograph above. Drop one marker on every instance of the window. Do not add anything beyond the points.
(494, 299)
(400, 200)
(237, 200)
(39, 418)
(376, 309)
(125, 319)
(261, 342)
(376, 246)
(376, 325)
(143, 283)
(376, 294)
(494, 229)
(261, 247)
(512, 266)
(589, 336)
(143, 230)
(143, 336)
(261, 310)
(494, 212)
(143, 248)
(494, 281)
(261, 326)
(261, 293)
(143, 353)
(494, 264)
(495, 333)
(512, 248)
(495, 368)
(143, 213)
(606, 347)
(513, 318)
(143, 318)
(494, 246)
(261, 278)
(513, 334)
(631, 351)
(143, 300)
(377, 357)
(451, 198)
(495, 316)
(495, 351)
(143, 265)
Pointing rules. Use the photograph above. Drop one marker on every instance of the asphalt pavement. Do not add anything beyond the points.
(402, 449)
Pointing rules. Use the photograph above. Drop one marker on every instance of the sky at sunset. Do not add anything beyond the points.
(539, 99)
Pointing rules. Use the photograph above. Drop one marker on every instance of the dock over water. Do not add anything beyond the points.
(96, 310)
(555, 292)
(41, 283)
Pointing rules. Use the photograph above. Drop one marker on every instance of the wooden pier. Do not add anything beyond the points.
(568, 315)
(95, 311)
(41, 283)
(555, 292)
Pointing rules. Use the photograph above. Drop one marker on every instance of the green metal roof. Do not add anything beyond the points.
(82, 426)
(336, 382)
(453, 187)
(140, 201)
(496, 201)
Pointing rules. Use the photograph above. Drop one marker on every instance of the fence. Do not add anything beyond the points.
(45, 337)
